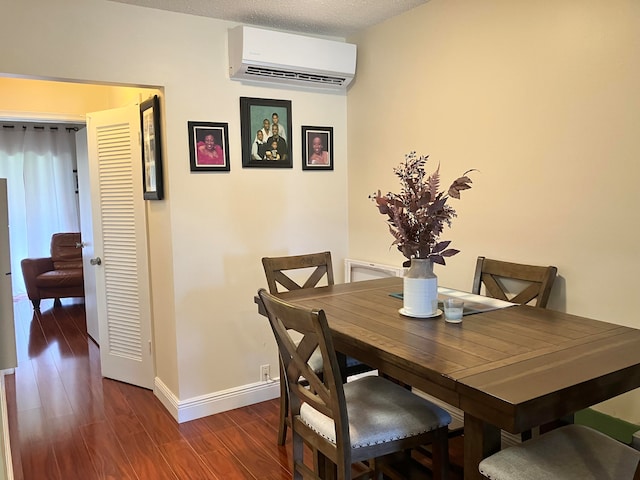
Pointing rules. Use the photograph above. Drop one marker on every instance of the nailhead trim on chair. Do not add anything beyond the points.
(359, 400)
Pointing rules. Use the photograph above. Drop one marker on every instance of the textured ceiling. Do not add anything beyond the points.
(339, 18)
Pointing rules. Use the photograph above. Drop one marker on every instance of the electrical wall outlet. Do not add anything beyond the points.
(265, 373)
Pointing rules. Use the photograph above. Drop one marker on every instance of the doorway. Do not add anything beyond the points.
(55, 98)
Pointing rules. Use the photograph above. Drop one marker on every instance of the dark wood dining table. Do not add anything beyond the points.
(514, 368)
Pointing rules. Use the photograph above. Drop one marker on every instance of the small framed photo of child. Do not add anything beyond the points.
(317, 148)
(209, 146)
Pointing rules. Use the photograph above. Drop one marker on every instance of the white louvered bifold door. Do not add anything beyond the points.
(122, 275)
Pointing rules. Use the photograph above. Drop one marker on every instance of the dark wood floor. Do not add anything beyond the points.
(67, 422)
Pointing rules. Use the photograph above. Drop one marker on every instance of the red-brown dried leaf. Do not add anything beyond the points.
(417, 215)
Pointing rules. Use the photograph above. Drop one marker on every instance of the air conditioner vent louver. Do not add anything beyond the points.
(269, 56)
(301, 76)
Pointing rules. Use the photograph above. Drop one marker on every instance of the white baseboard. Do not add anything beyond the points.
(216, 402)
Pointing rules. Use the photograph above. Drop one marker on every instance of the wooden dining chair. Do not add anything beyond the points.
(298, 271)
(536, 281)
(346, 423)
(501, 278)
(293, 273)
(574, 452)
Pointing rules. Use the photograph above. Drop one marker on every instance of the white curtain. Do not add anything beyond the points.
(39, 165)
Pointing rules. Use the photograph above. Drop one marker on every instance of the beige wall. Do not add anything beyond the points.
(542, 98)
(208, 235)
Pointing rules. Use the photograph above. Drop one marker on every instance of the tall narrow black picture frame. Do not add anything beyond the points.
(152, 184)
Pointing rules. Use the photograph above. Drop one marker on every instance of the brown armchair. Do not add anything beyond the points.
(58, 276)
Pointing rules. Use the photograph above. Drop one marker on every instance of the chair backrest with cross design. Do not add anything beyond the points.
(282, 271)
(535, 281)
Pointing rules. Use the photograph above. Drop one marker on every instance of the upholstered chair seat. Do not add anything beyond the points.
(58, 279)
(379, 411)
(573, 452)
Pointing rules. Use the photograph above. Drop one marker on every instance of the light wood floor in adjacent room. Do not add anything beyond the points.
(66, 422)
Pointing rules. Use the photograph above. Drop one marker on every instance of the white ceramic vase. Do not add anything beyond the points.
(420, 296)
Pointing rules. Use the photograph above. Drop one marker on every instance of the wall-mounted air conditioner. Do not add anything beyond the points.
(270, 56)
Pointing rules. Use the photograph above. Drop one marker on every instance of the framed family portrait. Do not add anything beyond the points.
(151, 149)
(317, 148)
(209, 146)
(265, 126)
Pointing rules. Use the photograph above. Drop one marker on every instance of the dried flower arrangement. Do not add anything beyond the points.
(418, 213)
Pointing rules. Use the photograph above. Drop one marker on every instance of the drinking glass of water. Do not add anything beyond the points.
(453, 308)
